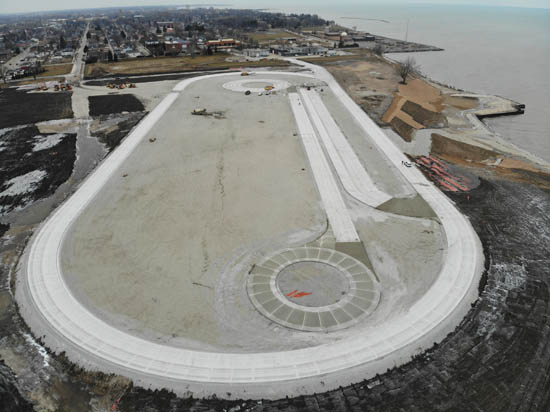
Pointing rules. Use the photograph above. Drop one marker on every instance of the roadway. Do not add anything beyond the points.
(52, 311)
(77, 72)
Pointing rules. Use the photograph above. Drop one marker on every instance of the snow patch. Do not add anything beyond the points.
(41, 349)
(45, 142)
(23, 184)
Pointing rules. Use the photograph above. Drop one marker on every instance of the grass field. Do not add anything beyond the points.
(171, 64)
(56, 70)
(356, 54)
(270, 36)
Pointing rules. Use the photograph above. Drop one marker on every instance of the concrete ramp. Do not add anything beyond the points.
(352, 174)
(334, 204)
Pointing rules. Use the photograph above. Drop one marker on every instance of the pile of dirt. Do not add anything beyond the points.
(453, 149)
(469, 155)
(20, 107)
(114, 103)
(402, 128)
(425, 117)
(30, 169)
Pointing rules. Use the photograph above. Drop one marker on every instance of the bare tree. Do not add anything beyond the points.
(4, 73)
(407, 68)
(378, 49)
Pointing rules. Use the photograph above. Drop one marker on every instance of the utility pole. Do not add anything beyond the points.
(407, 31)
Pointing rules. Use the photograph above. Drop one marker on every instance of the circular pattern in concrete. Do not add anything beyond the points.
(313, 289)
(329, 283)
(255, 85)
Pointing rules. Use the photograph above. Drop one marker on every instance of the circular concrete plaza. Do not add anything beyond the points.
(313, 289)
(256, 85)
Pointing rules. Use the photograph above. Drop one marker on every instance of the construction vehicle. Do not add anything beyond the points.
(245, 74)
(198, 112)
(269, 88)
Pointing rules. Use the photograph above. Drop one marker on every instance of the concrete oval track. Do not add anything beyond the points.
(54, 314)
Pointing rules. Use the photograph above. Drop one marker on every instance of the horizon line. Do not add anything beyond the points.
(227, 5)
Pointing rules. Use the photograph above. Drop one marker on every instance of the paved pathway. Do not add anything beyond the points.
(334, 205)
(353, 175)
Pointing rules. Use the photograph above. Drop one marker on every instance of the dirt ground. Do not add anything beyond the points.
(20, 107)
(493, 161)
(171, 64)
(188, 203)
(56, 70)
(114, 103)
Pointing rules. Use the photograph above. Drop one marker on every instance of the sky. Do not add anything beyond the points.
(22, 6)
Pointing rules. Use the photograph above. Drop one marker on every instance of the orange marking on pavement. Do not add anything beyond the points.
(301, 294)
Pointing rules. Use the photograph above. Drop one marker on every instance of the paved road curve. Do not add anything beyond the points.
(50, 309)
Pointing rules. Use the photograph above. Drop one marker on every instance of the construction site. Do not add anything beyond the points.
(251, 219)
(299, 237)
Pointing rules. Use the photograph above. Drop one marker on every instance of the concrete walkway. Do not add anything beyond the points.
(51, 310)
(334, 205)
(353, 175)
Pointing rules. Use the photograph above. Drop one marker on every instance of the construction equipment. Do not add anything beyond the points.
(269, 88)
(244, 74)
(198, 112)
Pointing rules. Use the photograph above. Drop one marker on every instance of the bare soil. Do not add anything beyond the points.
(468, 155)
(20, 107)
(115, 103)
(112, 136)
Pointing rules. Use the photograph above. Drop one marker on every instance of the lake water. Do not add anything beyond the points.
(492, 50)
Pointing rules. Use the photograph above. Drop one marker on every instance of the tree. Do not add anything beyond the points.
(4, 73)
(110, 55)
(378, 49)
(86, 49)
(407, 68)
(88, 35)
(122, 34)
(62, 43)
